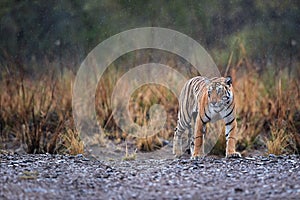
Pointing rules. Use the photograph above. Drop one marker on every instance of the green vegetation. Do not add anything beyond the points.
(69, 29)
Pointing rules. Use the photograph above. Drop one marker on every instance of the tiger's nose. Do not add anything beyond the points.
(213, 103)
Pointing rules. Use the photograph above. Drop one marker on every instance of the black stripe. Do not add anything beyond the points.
(228, 93)
(226, 135)
(206, 115)
(186, 102)
(231, 103)
(228, 123)
(194, 115)
(187, 110)
(230, 112)
(202, 120)
(197, 137)
(183, 118)
(184, 110)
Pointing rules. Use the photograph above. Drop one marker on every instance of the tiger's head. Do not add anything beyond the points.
(219, 93)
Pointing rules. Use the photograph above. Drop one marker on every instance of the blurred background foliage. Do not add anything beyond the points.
(34, 30)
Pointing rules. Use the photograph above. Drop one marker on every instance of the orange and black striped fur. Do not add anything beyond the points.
(204, 100)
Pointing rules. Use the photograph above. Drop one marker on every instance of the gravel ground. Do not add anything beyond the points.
(48, 176)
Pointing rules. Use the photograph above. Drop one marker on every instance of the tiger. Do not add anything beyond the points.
(204, 100)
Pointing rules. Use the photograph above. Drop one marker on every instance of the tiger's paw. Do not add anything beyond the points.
(177, 151)
(233, 155)
(196, 157)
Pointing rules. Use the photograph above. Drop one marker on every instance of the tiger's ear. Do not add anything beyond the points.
(228, 80)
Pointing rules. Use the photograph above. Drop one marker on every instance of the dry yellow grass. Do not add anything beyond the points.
(279, 141)
(72, 142)
(129, 156)
(149, 143)
(36, 114)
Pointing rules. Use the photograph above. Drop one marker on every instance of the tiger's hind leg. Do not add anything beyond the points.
(190, 146)
(191, 133)
(177, 143)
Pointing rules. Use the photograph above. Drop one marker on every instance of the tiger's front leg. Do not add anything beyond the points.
(198, 140)
(230, 133)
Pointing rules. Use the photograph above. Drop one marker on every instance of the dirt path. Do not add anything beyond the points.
(77, 177)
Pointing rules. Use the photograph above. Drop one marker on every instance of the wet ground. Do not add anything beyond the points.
(48, 176)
